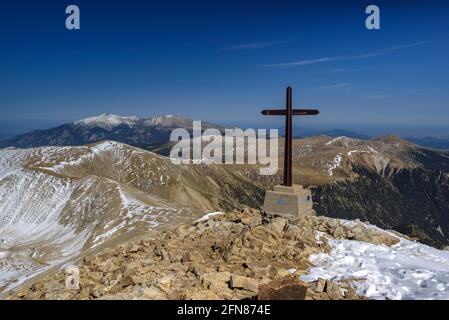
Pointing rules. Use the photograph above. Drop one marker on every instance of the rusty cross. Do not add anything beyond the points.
(288, 113)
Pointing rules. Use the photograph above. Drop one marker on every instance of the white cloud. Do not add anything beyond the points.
(347, 58)
(336, 86)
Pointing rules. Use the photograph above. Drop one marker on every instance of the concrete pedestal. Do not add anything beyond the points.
(295, 201)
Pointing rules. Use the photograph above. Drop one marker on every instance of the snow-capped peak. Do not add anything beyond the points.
(107, 121)
(168, 121)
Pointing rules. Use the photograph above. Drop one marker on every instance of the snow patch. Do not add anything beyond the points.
(407, 270)
(342, 138)
(334, 164)
(207, 216)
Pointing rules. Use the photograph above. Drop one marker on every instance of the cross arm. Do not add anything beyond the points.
(295, 112)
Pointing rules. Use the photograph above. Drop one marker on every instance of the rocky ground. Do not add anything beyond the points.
(239, 255)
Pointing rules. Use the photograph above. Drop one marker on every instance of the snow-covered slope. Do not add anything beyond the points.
(49, 216)
(57, 203)
(407, 270)
(107, 121)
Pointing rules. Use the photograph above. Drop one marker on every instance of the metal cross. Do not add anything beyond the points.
(288, 113)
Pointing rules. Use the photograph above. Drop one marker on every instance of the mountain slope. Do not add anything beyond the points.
(388, 181)
(56, 203)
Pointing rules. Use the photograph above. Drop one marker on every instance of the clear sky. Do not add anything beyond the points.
(223, 61)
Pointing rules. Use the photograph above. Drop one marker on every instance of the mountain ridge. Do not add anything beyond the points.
(153, 131)
(139, 132)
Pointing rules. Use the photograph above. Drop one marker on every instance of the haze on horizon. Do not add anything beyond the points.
(224, 61)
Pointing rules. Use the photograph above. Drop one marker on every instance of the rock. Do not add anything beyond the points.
(350, 234)
(159, 252)
(374, 236)
(58, 296)
(166, 281)
(151, 293)
(148, 262)
(53, 286)
(318, 286)
(198, 269)
(282, 272)
(176, 255)
(320, 296)
(333, 290)
(351, 294)
(322, 228)
(215, 280)
(201, 295)
(245, 283)
(252, 221)
(193, 257)
(332, 223)
(292, 232)
(134, 248)
(287, 288)
(339, 233)
(278, 225)
(218, 245)
(118, 296)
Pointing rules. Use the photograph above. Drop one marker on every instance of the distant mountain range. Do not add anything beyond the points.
(130, 130)
(431, 142)
(151, 132)
(427, 142)
(337, 133)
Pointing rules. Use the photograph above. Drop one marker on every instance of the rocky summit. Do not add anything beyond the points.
(244, 254)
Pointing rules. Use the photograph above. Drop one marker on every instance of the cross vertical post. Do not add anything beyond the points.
(288, 140)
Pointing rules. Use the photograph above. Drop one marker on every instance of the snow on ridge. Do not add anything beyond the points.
(164, 120)
(49, 154)
(334, 164)
(107, 121)
(12, 159)
(341, 138)
(407, 270)
(370, 150)
(208, 215)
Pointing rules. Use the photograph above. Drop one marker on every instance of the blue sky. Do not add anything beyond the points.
(223, 61)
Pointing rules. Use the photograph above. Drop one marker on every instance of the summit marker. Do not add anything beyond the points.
(289, 199)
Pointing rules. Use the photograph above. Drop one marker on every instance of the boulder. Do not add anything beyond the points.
(215, 280)
(277, 225)
(292, 232)
(339, 233)
(252, 221)
(245, 283)
(334, 291)
(288, 288)
(318, 286)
